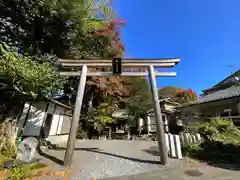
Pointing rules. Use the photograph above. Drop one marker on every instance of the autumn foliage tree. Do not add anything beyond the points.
(105, 42)
(64, 29)
(109, 33)
(180, 95)
(105, 37)
(109, 37)
(185, 95)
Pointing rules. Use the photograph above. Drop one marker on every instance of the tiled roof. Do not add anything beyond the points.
(237, 73)
(221, 94)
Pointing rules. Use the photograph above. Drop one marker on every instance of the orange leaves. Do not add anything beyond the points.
(111, 31)
(115, 86)
(191, 93)
(111, 28)
(188, 94)
(108, 85)
(109, 37)
(179, 92)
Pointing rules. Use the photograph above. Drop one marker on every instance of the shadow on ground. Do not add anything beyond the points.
(225, 156)
(93, 150)
(153, 150)
(48, 156)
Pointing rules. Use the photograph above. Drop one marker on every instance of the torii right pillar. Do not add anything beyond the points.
(158, 116)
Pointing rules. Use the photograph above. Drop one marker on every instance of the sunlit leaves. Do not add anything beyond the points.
(139, 97)
(100, 116)
(29, 77)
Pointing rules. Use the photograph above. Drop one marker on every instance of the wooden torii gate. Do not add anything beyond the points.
(117, 65)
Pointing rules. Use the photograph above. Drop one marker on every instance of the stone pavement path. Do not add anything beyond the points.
(99, 159)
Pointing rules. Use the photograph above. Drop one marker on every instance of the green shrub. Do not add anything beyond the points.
(9, 150)
(221, 142)
(215, 126)
(20, 172)
(188, 149)
(81, 133)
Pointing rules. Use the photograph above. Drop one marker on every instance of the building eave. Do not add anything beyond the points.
(218, 84)
(59, 103)
(198, 102)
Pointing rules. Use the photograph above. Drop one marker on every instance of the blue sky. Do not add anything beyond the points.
(205, 34)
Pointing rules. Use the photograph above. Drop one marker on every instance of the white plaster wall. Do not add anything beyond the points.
(57, 121)
(51, 108)
(66, 124)
(60, 124)
(35, 119)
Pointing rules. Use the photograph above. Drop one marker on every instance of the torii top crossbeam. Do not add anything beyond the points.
(126, 63)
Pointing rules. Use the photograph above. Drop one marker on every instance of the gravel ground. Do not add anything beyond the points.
(131, 160)
(111, 158)
(184, 172)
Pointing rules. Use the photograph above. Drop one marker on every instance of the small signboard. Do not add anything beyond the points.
(117, 66)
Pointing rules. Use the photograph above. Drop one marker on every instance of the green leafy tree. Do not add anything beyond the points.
(101, 116)
(29, 76)
(168, 91)
(138, 100)
(65, 29)
(50, 26)
(26, 78)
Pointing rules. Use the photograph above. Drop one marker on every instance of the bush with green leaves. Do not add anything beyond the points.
(217, 127)
(8, 150)
(221, 142)
(20, 172)
(29, 76)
